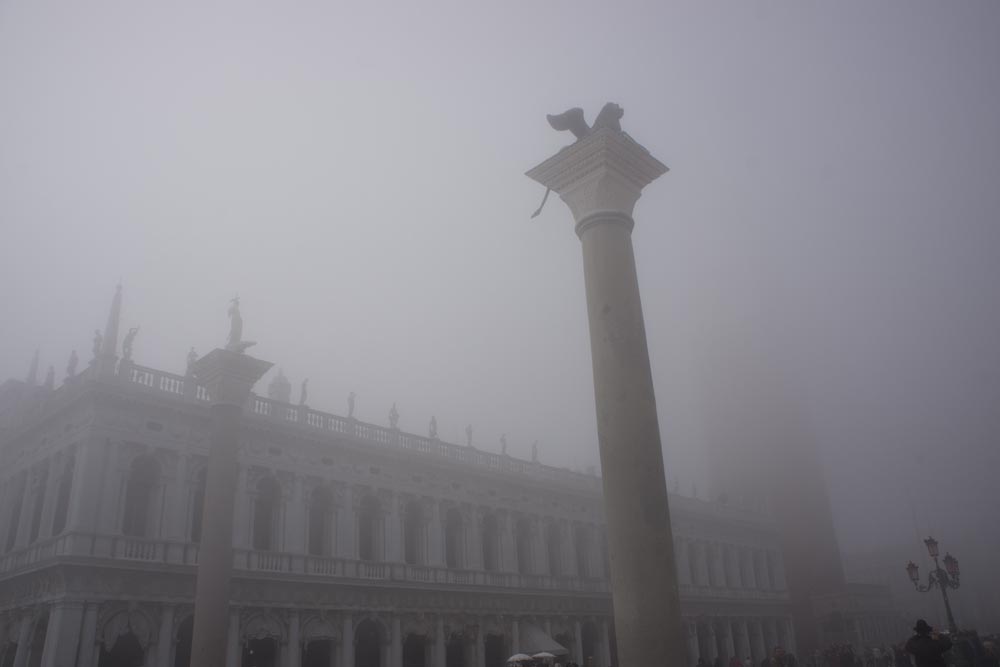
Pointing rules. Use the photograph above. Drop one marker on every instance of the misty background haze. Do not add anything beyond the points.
(355, 173)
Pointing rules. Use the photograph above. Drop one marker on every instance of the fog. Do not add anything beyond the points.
(355, 173)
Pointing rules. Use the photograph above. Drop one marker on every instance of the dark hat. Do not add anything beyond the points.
(921, 628)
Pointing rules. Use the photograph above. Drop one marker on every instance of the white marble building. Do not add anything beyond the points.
(355, 545)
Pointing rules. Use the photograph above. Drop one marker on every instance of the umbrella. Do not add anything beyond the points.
(544, 655)
(520, 657)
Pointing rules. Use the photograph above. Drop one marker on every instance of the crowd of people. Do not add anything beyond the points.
(926, 648)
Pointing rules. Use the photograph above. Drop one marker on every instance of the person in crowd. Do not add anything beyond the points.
(927, 646)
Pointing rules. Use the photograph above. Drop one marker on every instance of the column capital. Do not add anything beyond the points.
(229, 376)
(600, 176)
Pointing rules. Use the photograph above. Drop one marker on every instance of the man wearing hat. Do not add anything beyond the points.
(927, 647)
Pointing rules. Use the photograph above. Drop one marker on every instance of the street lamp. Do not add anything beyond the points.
(943, 578)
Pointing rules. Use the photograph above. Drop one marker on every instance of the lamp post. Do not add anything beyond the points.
(944, 578)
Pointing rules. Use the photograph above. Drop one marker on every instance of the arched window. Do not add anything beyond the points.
(198, 505)
(62, 496)
(38, 501)
(582, 540)
(454, 555)
(413, 533)
(142, 481)
(368, 641)
(491, 543)
(553, 540)
(369, 524)
(320, 521)
(523, 536)
(265, 514)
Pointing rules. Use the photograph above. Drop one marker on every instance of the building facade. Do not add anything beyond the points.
(354, 545)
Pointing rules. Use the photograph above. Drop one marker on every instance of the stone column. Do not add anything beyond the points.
(727, 639)
(347, 642)
(234, 656)
(757, 641)
(600, 177)
(742, 640)
(711, 642)
(294, 642)
(165, 638)
(88, 637)
(23, 641)
(693, 648)
(578, 643)
(515, 636)
(62, 636)
(440, 646)
(229, 377)
(396, 651)
(605, 646)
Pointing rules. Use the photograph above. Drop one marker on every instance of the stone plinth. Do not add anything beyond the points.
(600, 177)
(229, 376)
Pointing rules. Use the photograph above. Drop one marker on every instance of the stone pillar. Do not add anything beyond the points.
(600, 177)
(771, 634)
(693, 648)
(88, 637)
(165, 638)
(605, 646)
(294, 642)
(234, 654)
(347, 642)
(742, 640)
(229, 377)
(728, 641)
(578, 643)
(23, 641)
(440, 646)
(396, 651)
(62, 637)
(515, 636)
(757, 641)
(711, 642)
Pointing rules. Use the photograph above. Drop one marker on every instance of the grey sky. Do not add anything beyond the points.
(355, 173)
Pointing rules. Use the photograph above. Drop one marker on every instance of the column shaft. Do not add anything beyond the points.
(62, 637)
(88, 637)
(165, 639)
(215, 557)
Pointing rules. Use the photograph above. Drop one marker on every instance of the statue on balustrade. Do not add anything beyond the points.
(393, 417)
(304, 392)
(468, 435)
(432, 428)
(350, 405)
(503, 444)
(128, 342)
(534, 452)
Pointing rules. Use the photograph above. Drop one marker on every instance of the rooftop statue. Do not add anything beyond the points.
(98, 342)
(304, 392)
(468, 435)
(573, 120)
(236, 342)
(432, 428)
(350, 404)
(393, 417)
(128, 342)
(192, 359)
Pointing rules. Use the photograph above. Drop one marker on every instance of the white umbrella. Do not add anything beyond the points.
(520, 657)
(544, 655)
